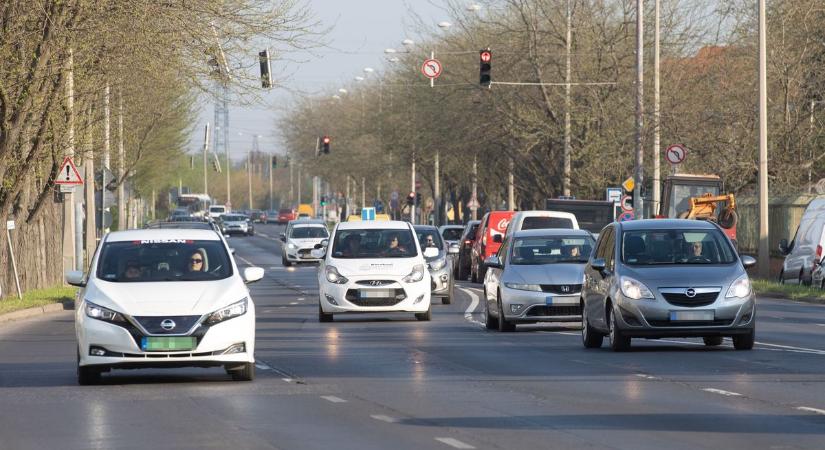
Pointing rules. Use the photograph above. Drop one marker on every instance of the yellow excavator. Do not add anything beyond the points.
(699, 197)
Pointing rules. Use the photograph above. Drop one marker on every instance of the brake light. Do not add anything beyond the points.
(818, 251)
(468, 241)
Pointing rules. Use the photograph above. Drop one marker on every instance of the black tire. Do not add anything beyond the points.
(446, 300)
(802, 280)
(473, 275)
(425, 316)
(728, 219)
(285, 261)
(712, 341)
(781, 277)
(744, 341)
(245, 373)
(322, 316)
(590, 337)
(87, 375)
(491, 322)
(504, 326)
(482, 272)
(618, 341)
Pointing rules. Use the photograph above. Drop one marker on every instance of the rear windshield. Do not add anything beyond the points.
(234, 218)
(308, 232)
(374, 243)
(538, 223)
(163, 260)
(285, 211)
(551, 250)
(452, 234)
(217, 209)
(649, 247)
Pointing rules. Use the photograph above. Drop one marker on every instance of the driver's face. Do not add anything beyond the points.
(697, 249)
(393, 242)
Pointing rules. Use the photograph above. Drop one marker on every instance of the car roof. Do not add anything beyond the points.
(306, 222)
(374, 224)
(542, 213)
(447, 227)
(192, 225)
(551, 232)
(425, 227)
(667, 224)
(162, 234)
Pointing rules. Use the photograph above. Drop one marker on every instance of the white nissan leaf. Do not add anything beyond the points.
(164, 298)
(371, 266)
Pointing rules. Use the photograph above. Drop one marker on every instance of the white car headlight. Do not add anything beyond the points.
(524, 287)
(234, 310)
(740, 288)
(292, 246)
(634, 289)
(105, 314)
(438, 264)
(333, 276)
(416, 275)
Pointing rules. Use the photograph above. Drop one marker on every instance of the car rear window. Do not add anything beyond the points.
(452, 234)
(538, 223)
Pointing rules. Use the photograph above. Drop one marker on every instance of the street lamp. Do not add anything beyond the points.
(474, 7)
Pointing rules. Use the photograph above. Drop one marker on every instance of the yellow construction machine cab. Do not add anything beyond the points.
(689, 196)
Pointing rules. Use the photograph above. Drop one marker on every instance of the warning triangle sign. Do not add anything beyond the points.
(68, 173)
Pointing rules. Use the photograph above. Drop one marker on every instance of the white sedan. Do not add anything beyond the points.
(164, 298)
(373, 267)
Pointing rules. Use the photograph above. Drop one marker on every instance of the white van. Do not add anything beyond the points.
(539, 220)
(801, 253)
(216, 211)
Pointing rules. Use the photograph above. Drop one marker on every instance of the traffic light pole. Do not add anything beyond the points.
(270, 180)
(412, 188)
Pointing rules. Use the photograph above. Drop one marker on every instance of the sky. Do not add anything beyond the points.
(359, 31)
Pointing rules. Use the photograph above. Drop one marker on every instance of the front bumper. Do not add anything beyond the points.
(236, 230)
(531, 306)
(300, 254)
(652, 318)
(231, 341)
(334, 298)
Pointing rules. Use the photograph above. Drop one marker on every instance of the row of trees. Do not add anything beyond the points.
(708, 81)
(113, 83)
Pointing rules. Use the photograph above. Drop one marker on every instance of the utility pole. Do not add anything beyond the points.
(315, 202)
(437, 193)
(363, 192)
(106, 149)
(346, 203)
(657, 189)
(271, 158)
(299, 184)
(69, 262)
(291, 186)
(764, 252)
(122, 224)
(205, 157)
(639, 175)
(567, 102)
(89, 186)
(475, 186)
(412, 188)
(511, 195)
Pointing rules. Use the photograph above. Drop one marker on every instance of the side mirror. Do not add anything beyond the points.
(226, 236)
(493, 262)
(747, 261)
(75, 278)
(430, 252)
(783, 246)
(598, 264)
(453, 249)
(252, 274)
(497, 238)
(318, 252)
(282, 237)
(231, 250)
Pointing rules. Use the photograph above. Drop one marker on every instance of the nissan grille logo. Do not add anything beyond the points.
(690, 293)
(565, 288)
(168, 324)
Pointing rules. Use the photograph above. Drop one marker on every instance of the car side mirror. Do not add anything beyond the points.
(783, 246)
(747, 261)
(318, 252)
(497, 238)
(75, 278)
(493, 262)
(598, 264)
(231, 250)
(453, 249)
(253, 274)
(430, 252)
(322, 244)
(282, 237)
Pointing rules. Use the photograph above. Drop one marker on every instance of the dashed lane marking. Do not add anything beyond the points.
(246, 261)
(293, 303)
(813, 410)
(333, 399)
(647, 377)
(794, 349)
(383, 418)
(262, 366)
(721, 392)
(468, 313)
(454, 443)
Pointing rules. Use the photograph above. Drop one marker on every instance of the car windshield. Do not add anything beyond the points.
(649, 247)
(429, 238)
(217, 209)
(452, 234)
(234, 218)
(551, 250)
(309, 232)
(163, 260)
(374, 243)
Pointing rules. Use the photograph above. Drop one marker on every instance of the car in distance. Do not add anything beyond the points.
(439, 265)
(164, 298)
(465, 250)
(216, 211)
(667, 278)
(536, 276)
(300, 239)
(286, 214)
(487, 241)
(373, 266)
(236, 224)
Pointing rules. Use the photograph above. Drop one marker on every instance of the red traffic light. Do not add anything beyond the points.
(486, 56)
(326, 139)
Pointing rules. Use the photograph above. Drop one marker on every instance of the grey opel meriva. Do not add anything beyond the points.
(666, 278)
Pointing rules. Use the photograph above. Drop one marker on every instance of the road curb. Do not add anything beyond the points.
(37, 311)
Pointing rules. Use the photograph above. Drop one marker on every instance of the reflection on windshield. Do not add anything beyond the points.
(374, 243)
(551, 250)
(163, 260)
(649, 247)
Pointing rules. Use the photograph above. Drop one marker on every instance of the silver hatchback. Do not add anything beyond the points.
(667, 278)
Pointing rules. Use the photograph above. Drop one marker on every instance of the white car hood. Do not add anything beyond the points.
(304, 243)
(369, 267)
(166, 298)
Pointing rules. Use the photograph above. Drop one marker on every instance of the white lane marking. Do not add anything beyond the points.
(293, 303)
(567, 333)
(820, 324)
(301, 298)
(333, 399)
(383, 418)
(263, 366)
(647, 377)
(288, 380)
(791, 348)
(244, 260)
(455, 443)
(262, 234)
(813, 410)
(468, 313)
(721, 392)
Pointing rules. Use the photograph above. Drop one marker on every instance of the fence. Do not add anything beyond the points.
(784, 215)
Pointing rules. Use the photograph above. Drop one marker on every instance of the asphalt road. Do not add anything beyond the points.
(389, 381)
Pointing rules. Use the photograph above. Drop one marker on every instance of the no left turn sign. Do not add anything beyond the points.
(676, 154)
(431, 68)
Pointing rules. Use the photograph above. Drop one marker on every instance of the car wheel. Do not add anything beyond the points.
(504, 326)
(802, 280)
(461, 272)
(490, 322)
(446, 300)
(322, 316)
(87, 375)
(822, 284)
(285, 261)
(425, 316)
(712, 341)
(482, 272)
(782, 277)
(245, 373)
(473, 275)
(618, 341)
(590, 337)
(744, 341)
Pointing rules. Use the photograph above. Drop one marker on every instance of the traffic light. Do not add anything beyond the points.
(485, 67)
(418, 199)
(274, 162)
(323, 200)
(411, 199)
(216, 164)
(266, 73)
(191, 162)
(325, 141)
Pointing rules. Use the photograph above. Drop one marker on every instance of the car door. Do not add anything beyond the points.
(600, 280)
(492, 279)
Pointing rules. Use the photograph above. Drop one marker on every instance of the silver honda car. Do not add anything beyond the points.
(667, 278)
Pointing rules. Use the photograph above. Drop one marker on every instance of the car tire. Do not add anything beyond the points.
(504, 326)
(744, 341)
(322, 316)
(712, 341)
(590, 337)
(781, 277)
(425, 316)
(490, 322)
(245, 373)
(482, 272)
(461, 272)
(87, 375)
(446, 300)
(285, 261)
(473, 275)
(618, 341)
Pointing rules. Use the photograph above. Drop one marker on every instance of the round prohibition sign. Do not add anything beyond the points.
(675, 154)
(431, 68)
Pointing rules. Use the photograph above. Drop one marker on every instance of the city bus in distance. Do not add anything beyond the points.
(197, 204)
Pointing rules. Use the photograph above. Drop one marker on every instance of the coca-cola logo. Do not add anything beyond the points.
(502, 224)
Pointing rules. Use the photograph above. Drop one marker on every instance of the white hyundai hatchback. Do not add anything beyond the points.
(164, 298)
(373, 266)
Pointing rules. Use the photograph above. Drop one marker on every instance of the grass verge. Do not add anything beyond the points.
(789, 291)
(37, 297)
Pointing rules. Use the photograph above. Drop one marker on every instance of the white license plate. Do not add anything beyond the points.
(693, 316)
(561, 300)
(375, 293)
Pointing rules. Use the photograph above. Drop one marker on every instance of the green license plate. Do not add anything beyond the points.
(167, 344)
